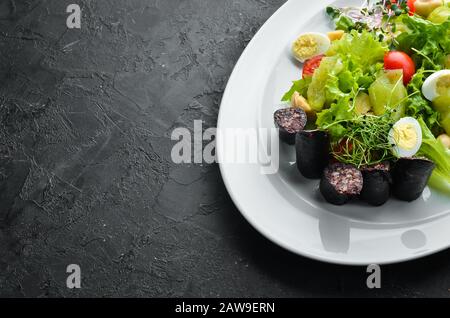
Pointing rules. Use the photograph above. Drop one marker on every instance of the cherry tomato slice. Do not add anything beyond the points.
(412, 8)
(342, 147)
(396, 60)
(311, 65)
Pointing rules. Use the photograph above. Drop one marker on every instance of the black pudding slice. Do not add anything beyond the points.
(376, 187)
(410, 176)
(340, 182)
(312, 149)
(289, 121)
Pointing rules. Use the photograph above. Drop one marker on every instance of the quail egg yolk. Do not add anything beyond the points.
(443, 85)
(405, 136)
(305, 46)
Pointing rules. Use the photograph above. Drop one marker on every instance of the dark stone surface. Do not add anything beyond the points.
(85, 169)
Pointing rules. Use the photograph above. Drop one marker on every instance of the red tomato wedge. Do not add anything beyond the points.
(311, 65)
(396, 60)
(412, 8)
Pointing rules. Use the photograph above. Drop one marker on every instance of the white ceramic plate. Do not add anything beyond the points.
(285, 207)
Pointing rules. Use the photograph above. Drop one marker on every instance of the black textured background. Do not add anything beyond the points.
(85, 170)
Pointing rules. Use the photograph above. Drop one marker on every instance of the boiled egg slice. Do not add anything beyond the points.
(405, 137)
(309, 45)
(437, 84)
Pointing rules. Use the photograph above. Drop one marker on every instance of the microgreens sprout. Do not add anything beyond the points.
(366, 142)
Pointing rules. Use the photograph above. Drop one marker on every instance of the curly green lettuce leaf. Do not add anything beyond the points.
(428, 43)
(300, 86)
(330, 119)
(417, 106)
(435, 151)
(363, 50)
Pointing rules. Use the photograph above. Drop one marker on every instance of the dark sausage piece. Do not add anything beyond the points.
(289, 121)
(410, 176)
(340, 182)
(376, 186)
(313, 152)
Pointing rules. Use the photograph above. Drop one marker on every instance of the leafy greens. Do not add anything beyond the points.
(360, 56)
(435, 151)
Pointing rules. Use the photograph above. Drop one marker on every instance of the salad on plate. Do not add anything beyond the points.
(370, 115)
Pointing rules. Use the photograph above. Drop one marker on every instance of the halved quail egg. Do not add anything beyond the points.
(309, 45)
(436, 85)
(405, 137)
